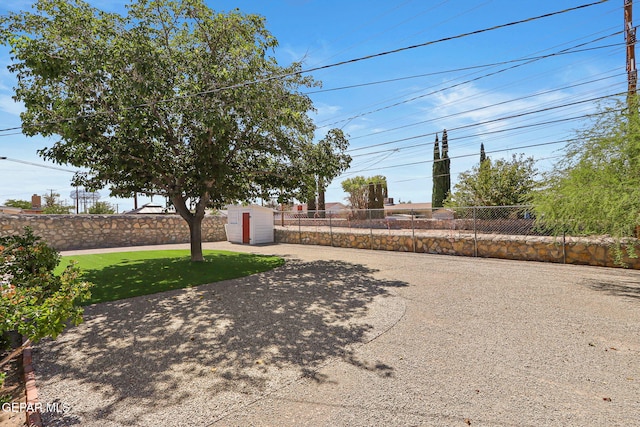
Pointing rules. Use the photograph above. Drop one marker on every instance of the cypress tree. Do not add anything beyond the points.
(446, 166)
(437, 194)
(483, 156)
(371, 196)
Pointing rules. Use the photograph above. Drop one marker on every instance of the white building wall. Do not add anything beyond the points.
(234, 224)
(261, 226)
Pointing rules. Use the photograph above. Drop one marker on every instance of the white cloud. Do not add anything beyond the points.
(469, 104)
(326, 110)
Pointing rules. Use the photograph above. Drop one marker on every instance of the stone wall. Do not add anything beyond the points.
(584, 251)
(65, 232)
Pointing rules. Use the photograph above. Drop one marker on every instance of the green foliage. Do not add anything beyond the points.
(174, 99)
(57, 209)
(437, 191)
(446, 165)
(377, 194)
(358, 189)
(595, 188)
(121, 275)
(102, 208)
(441, 172)
(53, 204)
(496, 183)
(323, 162)
(34, 301)
(22, 204)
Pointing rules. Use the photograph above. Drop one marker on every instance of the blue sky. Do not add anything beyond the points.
(518, 106)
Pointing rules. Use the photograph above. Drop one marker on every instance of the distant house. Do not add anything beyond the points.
(423, 209)
(335, 207)
(328, 206)
(442, 213)
(149, 209)
(36, 207)
(10, 210)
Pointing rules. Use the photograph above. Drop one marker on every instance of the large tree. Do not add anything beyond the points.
(496, 183)
(595, 188)
(358, 189)
(15, 203)
(326, 159)
(172, 99)
(53, 204)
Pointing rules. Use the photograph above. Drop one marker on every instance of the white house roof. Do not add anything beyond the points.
(149, 208)
(252, 206)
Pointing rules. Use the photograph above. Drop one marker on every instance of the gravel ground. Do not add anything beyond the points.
(356, 338)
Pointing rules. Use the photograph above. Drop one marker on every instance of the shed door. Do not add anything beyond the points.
(246, 227)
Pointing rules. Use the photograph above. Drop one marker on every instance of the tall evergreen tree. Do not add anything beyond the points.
(446, 165)
(437, 194)
(371, 196)
(483, 155)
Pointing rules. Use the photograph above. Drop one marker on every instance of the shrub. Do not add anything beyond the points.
(34, 301)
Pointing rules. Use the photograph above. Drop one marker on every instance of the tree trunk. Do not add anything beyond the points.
(195, 235)
(321, 203)
(194, 220)
(311, 207)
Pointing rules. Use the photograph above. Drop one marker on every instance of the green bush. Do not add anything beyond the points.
(34, 301)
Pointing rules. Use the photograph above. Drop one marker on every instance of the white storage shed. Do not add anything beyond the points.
(252, 224)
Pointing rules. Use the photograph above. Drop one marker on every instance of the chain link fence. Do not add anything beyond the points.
(506, 220)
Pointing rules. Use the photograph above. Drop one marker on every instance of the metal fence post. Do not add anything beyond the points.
(564, 248)
(475, 233)
(370, 230)
(413, 232)
(299, 228)
(330, 230)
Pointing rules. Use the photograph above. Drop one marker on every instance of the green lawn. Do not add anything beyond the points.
(121, 275)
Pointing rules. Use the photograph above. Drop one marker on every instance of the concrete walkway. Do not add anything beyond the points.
(359, 338)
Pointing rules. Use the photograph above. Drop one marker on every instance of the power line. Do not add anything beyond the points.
(470, 155)
(482, 108)
(450, 174)
(491, 121)
(473, 67)
(350, 61)
(475, 79)
(459, 36)
(40, 165)
(480, 134)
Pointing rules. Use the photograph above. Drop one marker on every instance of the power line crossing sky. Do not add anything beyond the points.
(518, 79)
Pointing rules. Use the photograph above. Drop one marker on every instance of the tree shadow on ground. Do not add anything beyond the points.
(622, 287)
(247, 336)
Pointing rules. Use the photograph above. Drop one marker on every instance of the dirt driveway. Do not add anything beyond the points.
(355, 337)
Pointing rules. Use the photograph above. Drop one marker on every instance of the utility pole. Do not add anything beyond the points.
(630, 37)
